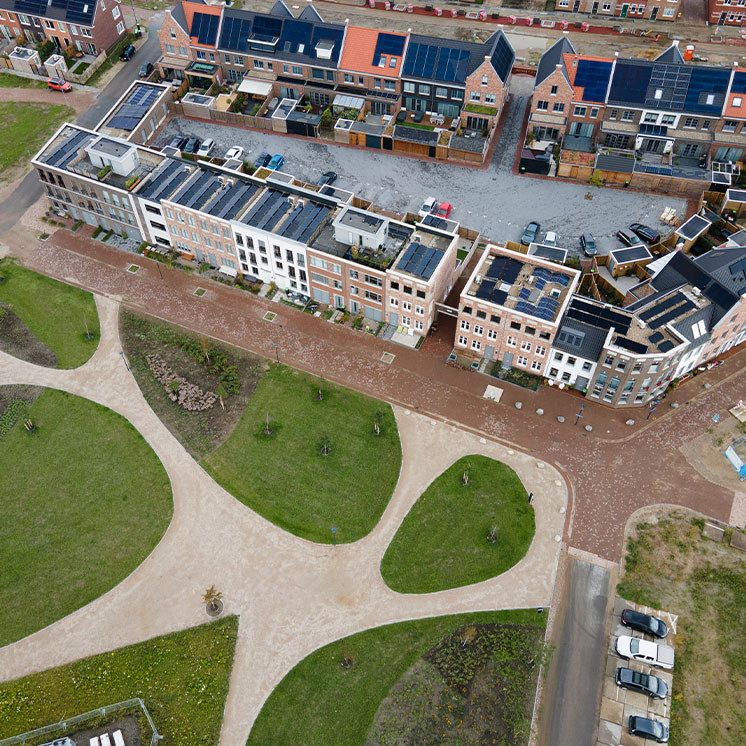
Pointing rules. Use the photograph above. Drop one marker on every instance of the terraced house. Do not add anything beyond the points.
(653, 10)
(90, 26)
(661, 122)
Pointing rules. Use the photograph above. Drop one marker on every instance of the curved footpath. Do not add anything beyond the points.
(292, 596)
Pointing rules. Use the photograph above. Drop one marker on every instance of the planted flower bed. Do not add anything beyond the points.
(179, 390)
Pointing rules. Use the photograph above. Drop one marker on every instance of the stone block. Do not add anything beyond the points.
(713, 532)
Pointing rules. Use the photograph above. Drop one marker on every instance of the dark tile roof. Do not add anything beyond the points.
(80, 12)
(445, 60)
(502, 56)
(177, 13)
(616, 163)
(684, 326)
(671, 55)
(591, 338)
(309, 13)
(727, 266)
(553, 57)
(413, 134)
(281, 38)
(281, 10)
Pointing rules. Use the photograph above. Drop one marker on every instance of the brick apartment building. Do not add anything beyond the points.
(652, 10)
(726, 12)
(91, 27)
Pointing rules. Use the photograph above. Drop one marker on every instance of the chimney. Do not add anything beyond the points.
(558, 66)
(675, 43)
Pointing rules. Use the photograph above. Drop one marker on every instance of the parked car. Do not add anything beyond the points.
(262, 160)
(235, 152)
(429, 206)
(588, 244)
(206, 146)
(444, 209)
(647, 728)
(58, 84)
(328, 177)
(192, 145)
(127, 53)
(644, 683)
(644, 623)
(644, 232)
(550, 238)
(146, 69)
(645, 651)
(627, 237)
(275, 162)
(176, 142)
(530, 232)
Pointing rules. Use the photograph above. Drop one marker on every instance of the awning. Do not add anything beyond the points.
(255, 87)
(348, 102)
(228, 271)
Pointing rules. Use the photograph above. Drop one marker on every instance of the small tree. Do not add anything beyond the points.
(204, 345)
(267, 430)
(221, 394)
(465, 475)
(377, 422)
(347, 659)
(492, 535)
(326, 446)
(213, 598)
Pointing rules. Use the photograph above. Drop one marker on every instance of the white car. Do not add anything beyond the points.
(206, 147)
(235, 152)
(550, 238)
(429, 207)
(645, 651)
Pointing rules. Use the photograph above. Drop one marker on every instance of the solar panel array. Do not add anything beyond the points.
(666, 346)
(438, 63)
(739, 83)
(707, 81)
(664, 305)
(268, 210)
(655, 337)
(235, 32)
(164, 180)
(132, 111)
(658, 321)
(673, 82)
(630, 82)
(632, 254)
(303, 221)
(631, 345)
(420, 260)
(504, 269)
(545, 309)
(74, 11)
(205, 28)
(391, 45)
(68, 149)
(593, 77)
(502, 58)
(603, 318)
(198, 191)
(229, 202)
(435, 222)
(693, 227)
(399, 232)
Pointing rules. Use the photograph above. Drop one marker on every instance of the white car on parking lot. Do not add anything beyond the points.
(206, 146)
(645, 651)
(429, 207)
(235, 152)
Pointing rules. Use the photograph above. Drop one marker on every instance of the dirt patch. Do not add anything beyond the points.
(228, 373)
(475, 687)
(670, 564)
(129, 725)
(705, 453)
(17, 339)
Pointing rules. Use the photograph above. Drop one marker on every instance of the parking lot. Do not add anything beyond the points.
(494, 201)
(617, 704)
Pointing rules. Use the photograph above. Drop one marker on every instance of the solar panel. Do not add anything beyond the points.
(499, 297)
(664, 305)
(388, 44)
(707, 82)
(502, 58)
(630, 81)
(671, 315)
(655, 337)
(165, 180)
(36, 7)
(631, 345)
(593, 77)
(228, 202)
(205, 28)
(485, 289)
(399, 231)
(124, 123)
(666, 346)
(68, 147)
(235, 32)
(524, 293)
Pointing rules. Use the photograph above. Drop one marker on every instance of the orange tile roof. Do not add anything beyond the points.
(739, 112)
(357, 54)
(572, 69)
(209, 10)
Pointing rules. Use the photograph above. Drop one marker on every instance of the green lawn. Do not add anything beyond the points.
(24, 128)
(320, 703)
(53, 311)
(8, 80)
(84, 501)
(442, 542)
(182, 678)
(285, 478)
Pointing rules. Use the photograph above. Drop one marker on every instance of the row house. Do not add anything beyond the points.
(726, 12)
(511, 307)
(652, 10)
(305, 56)
(90, 26)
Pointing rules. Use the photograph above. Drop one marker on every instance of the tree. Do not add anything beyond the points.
(214, 599)
(204, 345)
(492, 535)
(377, 422)
(221, 394)
(326, 446)
(465, 475)
(267, 428)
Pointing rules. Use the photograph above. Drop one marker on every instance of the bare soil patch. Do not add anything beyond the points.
(17, 339)
(705, 453)
(200, 362)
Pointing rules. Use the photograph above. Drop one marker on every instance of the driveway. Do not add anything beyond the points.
(494, 201)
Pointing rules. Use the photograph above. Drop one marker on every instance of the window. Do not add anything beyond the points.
(515, 325)
(580, 111)
(478, 330)
(120, 27)
(457, 95)
(511, 341)
(376, 82)
(536, 365)
(420, 311)
(465, 325)
(628, 116)
(668, 120)
(372, 296)
(522, 361)
(730, 125)
(530, 330)
(49, 24)
(394, 285)
(389, 85)
(554, 90)
(485, 80)
(86, 32)
(408, 87)
(706, 124)
(476, 344)
(667, 13)
(115, 12)
(690, 123)
(421, 294)
(173, 33)
(542, 105)
(258, 64)
(441, 92)
(475, 96)
(406, 305)
(424, 90)
(170, 49)
(540, 351)
(490, 98)
(370, 279)
(183, 51)
(201, 55)
(650, 118)
(394, 302)
(491, 334)
(594, 112)
(609, 360)
(571, 360)
(382, 61)
(494, 319)
(526, 346)
(558, 107)
(462, 341)
(613, 114)
(22, 18)
(320, 279)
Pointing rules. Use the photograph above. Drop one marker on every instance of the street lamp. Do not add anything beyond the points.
(579, 415)
(334, 536)
(277, 351)
(137, 24)
(121, 352)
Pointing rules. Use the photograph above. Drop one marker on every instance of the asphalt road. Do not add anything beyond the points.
(494, 201)
(29, 190)
(574, 686)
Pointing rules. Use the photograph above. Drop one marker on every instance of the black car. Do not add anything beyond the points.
(644, 623)
(262, 160)
(176, 142)
(192, 145)
(327, 178)
(588, 244)
(645, 233)
(530, 233)
(644, 683)
(127, 53)
(146, 69)
(647, 728)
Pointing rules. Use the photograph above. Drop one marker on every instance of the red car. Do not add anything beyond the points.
(57, 84)
(444, 210)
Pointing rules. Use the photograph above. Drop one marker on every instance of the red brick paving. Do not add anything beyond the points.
(612, 471)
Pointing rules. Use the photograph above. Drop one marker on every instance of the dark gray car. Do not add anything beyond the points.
(530, 233)
(644, 683)
(644, 623)
(588, 244)
(647, 728)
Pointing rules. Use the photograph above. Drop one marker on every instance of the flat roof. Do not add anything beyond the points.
(694, 227)
(361, 221)
(110, 147)
(636, 253)
(550, 253)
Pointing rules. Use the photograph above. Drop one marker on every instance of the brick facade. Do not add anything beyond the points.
(551, 104)
(653, 10)
(730, 13)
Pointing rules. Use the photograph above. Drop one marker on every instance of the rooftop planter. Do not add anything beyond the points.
(577, 158)
(490, 111)
(103, 173)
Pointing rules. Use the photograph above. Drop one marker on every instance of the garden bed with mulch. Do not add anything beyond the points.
(17, 339)
(197, 387)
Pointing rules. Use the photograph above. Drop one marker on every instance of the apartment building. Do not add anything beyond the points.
(652, 10)
(726, 12)
(511, 307)
(306, 56)
(91, 26)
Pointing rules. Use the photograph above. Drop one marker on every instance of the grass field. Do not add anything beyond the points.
(182, 679)
(285, 477)
(53, 311)
(670, 565)
(24, 128)
(8, 80)
(320, 702)
(442, 542)
(84, 501)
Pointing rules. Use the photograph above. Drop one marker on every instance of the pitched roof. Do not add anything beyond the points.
(79, 12)
(672, 54)
(502, 55)
(177, 13)
(368, 50)
(589, 339)
(735, 104)
(281, 10)
(588, 76)
(445, 60)
(553, 57)
(309, 13)
(202, 22)
(727, 266)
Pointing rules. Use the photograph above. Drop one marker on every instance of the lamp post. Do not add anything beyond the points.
(277, 353)
(334, 537)
(126, 365)
(579, 415)
(137, 23)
